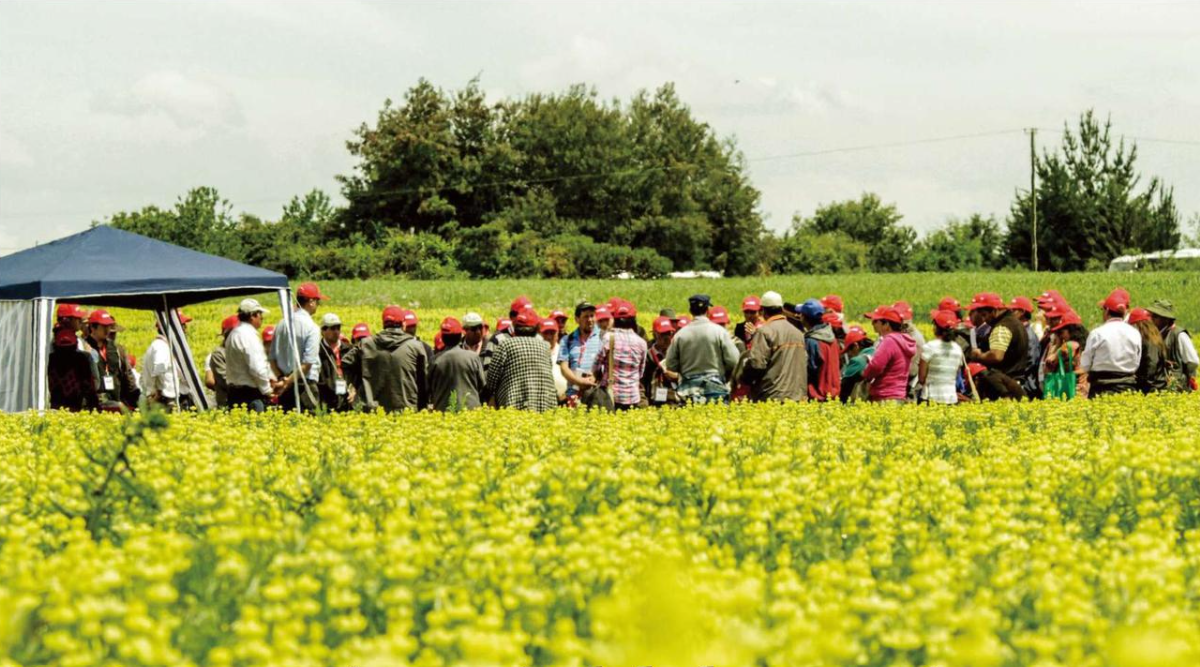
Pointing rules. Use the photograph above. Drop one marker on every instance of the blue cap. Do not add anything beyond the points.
(700, 299)
(812, 309)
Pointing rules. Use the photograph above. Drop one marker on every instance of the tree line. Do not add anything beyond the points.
(568, 185)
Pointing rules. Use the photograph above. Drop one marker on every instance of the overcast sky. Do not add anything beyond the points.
(109, 106)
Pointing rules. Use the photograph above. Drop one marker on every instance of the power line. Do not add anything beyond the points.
(661, 168)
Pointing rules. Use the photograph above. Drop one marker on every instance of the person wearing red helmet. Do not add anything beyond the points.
(520, 376)
(117, 386)
(1113, 351)
(71, 316)
(456, 379)
(1152, 372)
(551, 331)
(859, 349)
(941, 361)
(71, 374)
(392, 367)
(214, 365)
(307, 352)
(1063, 356)
(1007, 350)
(1023, 308)
(887, 372)
(776, 365)
(751, 319)
(659, 383)
(622, 360)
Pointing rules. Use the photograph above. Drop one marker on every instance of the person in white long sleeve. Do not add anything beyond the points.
(1113, 350)
(247, 374)
(162, 381)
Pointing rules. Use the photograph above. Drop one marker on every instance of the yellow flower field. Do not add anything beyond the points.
(1005, 534)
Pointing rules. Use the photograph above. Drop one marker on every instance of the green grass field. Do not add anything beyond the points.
(356, 301)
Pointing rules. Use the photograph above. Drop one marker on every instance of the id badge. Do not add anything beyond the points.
(109, 384)
(339, 387)
(660, 395)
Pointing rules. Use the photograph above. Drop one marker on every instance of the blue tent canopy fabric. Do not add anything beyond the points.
(110, 267)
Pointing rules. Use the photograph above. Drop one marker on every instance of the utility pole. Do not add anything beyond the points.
(1033, 191)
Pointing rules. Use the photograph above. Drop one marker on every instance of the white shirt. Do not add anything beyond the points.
(1187, 350)
(245, 360)
(944, 359)
(160, 376)
(560, 381)
(308, 341)
(1112, 347)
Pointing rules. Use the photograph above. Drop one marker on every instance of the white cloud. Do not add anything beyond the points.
(190, 102)
(13, 152)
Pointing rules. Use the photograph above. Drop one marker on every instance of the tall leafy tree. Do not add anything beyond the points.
(1091, 204)
(868, 221)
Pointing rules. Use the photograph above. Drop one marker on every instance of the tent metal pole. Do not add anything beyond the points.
(41, 358)
(285, 300)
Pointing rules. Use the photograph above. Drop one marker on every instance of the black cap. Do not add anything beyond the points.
(700, 299)
(582, 306)
(668, 313)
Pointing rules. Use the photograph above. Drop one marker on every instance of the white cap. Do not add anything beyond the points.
(772, 300)
(472, 320)
(331, 320)
(251, 306)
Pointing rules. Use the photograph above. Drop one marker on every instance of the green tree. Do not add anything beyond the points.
(200, 220)
(870, 222)
(960, 245)
(1090, 206)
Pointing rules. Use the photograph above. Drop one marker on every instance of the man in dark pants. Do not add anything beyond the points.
(333, 389)
(1007, 352)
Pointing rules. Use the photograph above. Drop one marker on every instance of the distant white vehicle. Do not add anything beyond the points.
(695, 274)
(1152, 260)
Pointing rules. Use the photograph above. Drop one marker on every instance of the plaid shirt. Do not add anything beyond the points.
(629, 363)
(520, 375)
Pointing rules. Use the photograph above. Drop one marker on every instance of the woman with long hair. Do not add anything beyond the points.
(1152, 371)
(941, 359)
(1069, 337)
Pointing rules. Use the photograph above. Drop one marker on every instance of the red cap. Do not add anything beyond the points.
(1069, 318)
(558, 314)
(975, 368)
(410, 318)
(132, 360)
(1117, 301)
(310, 291)
(663, 325)
(229, 323)
(905, 310)
(1058, 311)
(833, 302)
(69, 310)
(682, 322)
(614, 302)
(949, 303)
(549, 324)
(986, 300)
(885, 313)
(751, 304)
(393, 315)
(1049, 299)
(183, 319)
(101, 316)
(854, 335)
(718, 315)
(1139, 315)
(65, 337)
(603, 313)
(504, 324)
(625, 310)
(451, 327)
(268, 334)
(831, 318)
(520, 303)
(528, 317)
(1021, 303)
(361, 330)
(946, 319)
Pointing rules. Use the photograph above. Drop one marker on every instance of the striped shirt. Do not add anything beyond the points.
(629, 362)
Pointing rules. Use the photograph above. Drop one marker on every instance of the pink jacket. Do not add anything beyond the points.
(888, 370)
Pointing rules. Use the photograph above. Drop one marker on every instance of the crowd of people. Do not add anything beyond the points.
(991, 349)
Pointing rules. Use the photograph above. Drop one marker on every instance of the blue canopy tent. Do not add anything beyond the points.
(105, 266)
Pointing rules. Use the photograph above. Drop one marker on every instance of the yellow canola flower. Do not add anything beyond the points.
(1050, 533)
